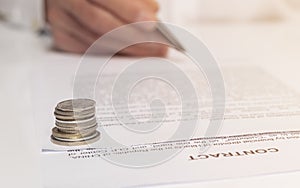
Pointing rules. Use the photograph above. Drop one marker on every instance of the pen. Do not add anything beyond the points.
(169, 36)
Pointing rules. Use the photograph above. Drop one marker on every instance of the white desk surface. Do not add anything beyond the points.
(275, 46)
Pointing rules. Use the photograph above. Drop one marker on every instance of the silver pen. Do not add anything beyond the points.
(167, 34)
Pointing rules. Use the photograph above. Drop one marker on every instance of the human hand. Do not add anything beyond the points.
(77, 24)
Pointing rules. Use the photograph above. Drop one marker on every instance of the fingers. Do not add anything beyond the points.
(131, 10)
(96, 19)
(76, 24)
(63, 41)
(65, 28)
(146, 49)
(110, 46)
(60, 20)
(68, 34)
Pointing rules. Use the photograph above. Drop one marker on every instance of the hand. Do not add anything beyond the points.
(76, 24)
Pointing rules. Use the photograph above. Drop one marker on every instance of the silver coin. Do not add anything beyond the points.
(76, 105)
(80, 134)
(74, 118)
(83, 132)
(76, 143)
(72, 130)
(69, 131)
(90, 130)
(78, 139)
(76, 124)
(84, 112)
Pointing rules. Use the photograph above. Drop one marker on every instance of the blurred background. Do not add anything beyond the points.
(216, 11)
(186, 12)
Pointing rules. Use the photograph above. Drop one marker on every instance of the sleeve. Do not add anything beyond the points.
(24, 13)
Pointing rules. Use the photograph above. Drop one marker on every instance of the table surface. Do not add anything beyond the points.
(273, 45)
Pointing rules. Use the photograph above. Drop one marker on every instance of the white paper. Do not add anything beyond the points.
(260, 134)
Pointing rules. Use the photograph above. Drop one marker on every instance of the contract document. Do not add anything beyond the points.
(260, 133)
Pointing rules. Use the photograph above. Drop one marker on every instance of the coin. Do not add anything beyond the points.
(76, 130)
(95, 134)
(75, 123)
(74, 118)
(64, 113)
(73, 130)
(79, 134)
(84, 121)
(76, 105)
(75, 143)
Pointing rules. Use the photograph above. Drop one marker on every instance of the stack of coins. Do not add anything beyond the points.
(75, 123)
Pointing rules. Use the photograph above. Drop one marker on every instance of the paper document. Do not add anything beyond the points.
(259, 135)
